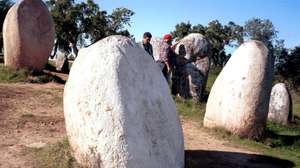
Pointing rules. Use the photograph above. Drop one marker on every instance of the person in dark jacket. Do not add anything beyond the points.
(146, 45)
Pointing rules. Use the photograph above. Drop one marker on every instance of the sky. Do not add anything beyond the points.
(160, 16)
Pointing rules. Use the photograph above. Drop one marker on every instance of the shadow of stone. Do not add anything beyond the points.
(221, 159)
(45, 77)
(1, 58)
(281, 140)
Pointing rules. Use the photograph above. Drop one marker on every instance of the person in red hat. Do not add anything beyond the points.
(166, 55)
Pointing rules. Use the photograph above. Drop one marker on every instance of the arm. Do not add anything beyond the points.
(164, 56)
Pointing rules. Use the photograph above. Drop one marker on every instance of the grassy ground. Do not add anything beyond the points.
(54, 156)
(280, 141)
(9, 75)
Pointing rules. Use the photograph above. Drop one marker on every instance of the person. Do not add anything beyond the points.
(166, 56)
(146, 43)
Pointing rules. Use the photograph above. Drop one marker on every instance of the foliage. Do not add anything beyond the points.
(181, 30)
(289, 67)
(231, 35)
(260, 29)
(85, 22)
(219, 36)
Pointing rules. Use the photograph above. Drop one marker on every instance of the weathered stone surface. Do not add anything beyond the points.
(28, 35)
(239, 98)
(156, 44)
(118, 109)
(61, 63)
(280, 108)
(191, 73)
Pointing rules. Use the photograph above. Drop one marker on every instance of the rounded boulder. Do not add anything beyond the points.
(239, 98)
(193, 64)
(280, 108)
(28, 35)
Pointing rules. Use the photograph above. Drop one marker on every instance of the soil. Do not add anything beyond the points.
(31, 115)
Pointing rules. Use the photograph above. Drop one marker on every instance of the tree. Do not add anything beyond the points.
(181, 30)
(281, 55)
(84, 23)
(4, 7)
(262, 30)
(219, 36)
(119, 18)
(199, 29)
(289, 68)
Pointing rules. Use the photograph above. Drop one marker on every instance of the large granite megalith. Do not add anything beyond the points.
(193, 63)
(28, 35)
(156, 44)
(239, 98)
(280, 108)
(118, 109)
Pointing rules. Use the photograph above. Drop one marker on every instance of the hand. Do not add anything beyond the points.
(169, 69)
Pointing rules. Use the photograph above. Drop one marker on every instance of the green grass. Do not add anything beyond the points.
(10, 75)
(188, 109)
(54, 156)
(280, 141)
(213, 74)
(296, 102)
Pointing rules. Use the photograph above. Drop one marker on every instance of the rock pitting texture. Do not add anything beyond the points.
(118, 109)
(280, 108)
(239, 98)
(28, 35)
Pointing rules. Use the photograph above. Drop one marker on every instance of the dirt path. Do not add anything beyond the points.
(31, 115)
(202, 149)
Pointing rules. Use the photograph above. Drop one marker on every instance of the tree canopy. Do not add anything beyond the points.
(85, 23)
(232, 35)
(219, 36)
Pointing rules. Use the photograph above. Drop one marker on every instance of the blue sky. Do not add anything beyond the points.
(161, 16)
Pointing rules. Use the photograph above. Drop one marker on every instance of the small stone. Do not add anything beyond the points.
(36, 145)
(280, 108)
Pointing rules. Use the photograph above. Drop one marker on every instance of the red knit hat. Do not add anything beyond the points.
(167, 37)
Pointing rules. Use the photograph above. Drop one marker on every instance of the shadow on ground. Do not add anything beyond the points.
(1, 59)
(221, 159)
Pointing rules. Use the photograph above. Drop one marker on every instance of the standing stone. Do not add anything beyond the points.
(28, 35)
(118, 109)
(156, 44)
(239, 98)
(193, 63)
(280, 108)
(62, 63)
